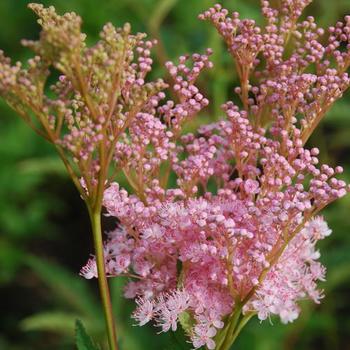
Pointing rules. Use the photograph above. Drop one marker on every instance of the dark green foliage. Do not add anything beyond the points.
(82, 340)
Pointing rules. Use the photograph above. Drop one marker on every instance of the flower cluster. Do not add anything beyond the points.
(100, 91)
(196, 256)
(236, 236)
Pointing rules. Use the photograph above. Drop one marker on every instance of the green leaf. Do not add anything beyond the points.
(43, 165)
(187, 322)
(160, 12)
(338, 276)
(82, 339)
(53, 321)
(11, 258)
(68, 287)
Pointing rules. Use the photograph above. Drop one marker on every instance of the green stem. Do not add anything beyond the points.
(95, 217)
(234, 327)
(222, 338)
(240, 326)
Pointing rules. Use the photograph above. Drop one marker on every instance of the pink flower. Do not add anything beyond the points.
(89, 270)
(203, 337)
(169, 307)
(317, 229)
(251, 186)
(144, 312)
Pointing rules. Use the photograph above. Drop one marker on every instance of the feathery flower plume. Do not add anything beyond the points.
(207, 260)
(249, 248)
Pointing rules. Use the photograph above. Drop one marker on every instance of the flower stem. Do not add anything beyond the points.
(95, 217)
(240, 326)
(235, 324)
(225, 342)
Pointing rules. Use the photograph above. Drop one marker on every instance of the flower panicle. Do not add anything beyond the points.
(101, 96)
(249, 245)
(237, 232)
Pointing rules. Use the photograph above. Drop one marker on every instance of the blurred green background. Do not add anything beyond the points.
(44, 229)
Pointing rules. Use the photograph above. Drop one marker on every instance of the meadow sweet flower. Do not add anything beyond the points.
(236, 235)
(250, 245)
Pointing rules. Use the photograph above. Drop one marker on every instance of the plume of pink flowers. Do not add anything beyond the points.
(210, 260)
(236, 236)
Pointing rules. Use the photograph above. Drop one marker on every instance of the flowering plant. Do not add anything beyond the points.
(236, 237)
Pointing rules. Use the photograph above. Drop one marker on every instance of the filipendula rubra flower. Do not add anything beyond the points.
(212, 260)
(209, 260)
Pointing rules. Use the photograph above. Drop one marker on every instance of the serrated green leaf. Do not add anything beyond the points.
(82, 340)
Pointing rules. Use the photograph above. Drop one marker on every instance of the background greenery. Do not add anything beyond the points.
(44, 232)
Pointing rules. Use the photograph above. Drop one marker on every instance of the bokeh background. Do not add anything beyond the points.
(44, 229)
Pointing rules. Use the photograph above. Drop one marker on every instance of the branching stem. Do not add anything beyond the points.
(95, 217)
